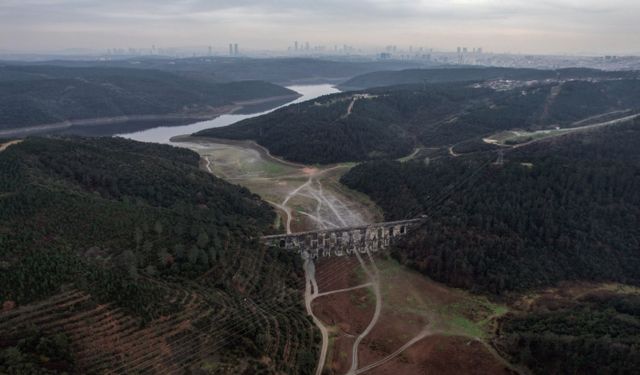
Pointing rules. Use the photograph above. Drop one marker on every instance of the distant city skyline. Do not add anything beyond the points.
(515, 26)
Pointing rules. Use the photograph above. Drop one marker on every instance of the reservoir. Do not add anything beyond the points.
(163, 134)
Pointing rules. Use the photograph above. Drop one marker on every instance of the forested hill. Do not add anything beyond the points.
(390, 122)
(36, 95)
(565, 208)
(226, 69)
(461, 74)
(134, 241)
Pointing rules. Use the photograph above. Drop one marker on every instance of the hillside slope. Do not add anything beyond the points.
(277, 70)
(134, 242)
(461, 74)
(553, 230)
(390, 122)
(39, 95)
(561, 209)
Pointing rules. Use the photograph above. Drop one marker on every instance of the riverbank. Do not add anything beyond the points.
(175, 118)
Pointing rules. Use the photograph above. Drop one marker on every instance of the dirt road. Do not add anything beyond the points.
(307, 198)
(299, 192)
(311, 198)
(310, 293)
(4, 146)
(374, 278)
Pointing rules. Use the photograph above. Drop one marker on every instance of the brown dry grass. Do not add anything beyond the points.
(443, 355)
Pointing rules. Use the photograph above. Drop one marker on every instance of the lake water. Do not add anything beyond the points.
(163, 134)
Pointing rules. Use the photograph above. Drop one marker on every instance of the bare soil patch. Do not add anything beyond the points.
(443, 355)
(349, 311)
(339, 359)
(301, 223)
(393, 330)
(334, 273)
(309, 170)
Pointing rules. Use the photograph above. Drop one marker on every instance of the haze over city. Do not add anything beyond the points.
(515, 26)
(319, 187)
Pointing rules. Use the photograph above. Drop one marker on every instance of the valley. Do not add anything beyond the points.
(159, 240)
(306, 197)
(370, 310)
(375, 315)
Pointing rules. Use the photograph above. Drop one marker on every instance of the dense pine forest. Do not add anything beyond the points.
(35, 95)
(139, 229)
(390, 122)
(599, 334)
(472, 73)
(278, 70)
(562, 209)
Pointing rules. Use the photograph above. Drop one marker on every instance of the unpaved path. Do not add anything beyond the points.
(564, 131)
(329, 209)
(310, 293)
(354, 99)
(366, 285)
(336, 212)
(350, 108)
(374, 277)
(312, 193)
(549, 133)
(309, 197)
(207, 164)
(4, 146)
(453, 153)
(424, 333)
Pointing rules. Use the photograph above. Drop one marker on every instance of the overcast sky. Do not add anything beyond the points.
(525, 26)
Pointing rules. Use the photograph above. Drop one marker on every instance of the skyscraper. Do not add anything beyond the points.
(235, 49)
(295, 48)
(230, 49)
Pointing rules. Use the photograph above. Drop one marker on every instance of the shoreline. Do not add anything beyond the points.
(102, 121)
(264, 152)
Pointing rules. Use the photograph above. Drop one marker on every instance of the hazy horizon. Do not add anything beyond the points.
(517, 26)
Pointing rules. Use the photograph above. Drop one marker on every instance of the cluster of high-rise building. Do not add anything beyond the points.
(233, 49)
(465, 50)
(140, 51)
(307, 48)
(459, 55)
(468, 56)
(300, 46)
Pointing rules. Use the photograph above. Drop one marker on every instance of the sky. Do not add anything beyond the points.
(515, 26)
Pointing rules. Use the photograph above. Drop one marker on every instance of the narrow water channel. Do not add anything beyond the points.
(163, 134)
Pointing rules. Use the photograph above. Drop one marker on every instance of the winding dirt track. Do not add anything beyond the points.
(338, 212)
(310, 293)
(327, 209)
(424, 333)
(5, 146)
(374, 277)
(331, 211)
